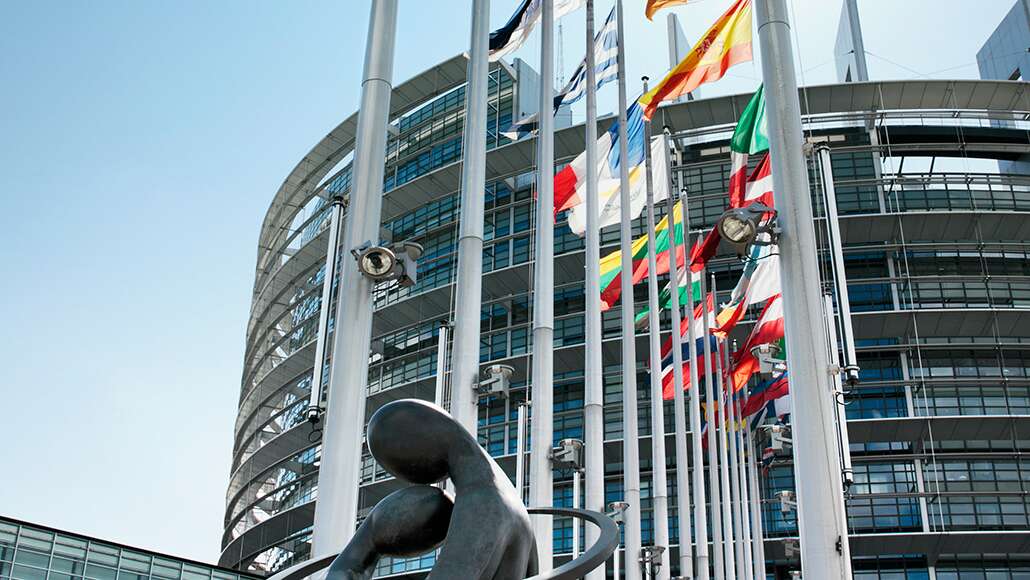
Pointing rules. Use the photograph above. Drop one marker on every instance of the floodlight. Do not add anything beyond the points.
(740, 226)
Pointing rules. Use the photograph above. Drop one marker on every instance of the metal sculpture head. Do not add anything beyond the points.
(485, 530)
(408, 438)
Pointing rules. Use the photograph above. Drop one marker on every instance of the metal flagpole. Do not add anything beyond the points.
(697, 451)
(857, 42)
(630, 432)
(593, 408)
(849, 370)
(840, 274)
(724, 468)
(441, 363)
(686, 559)
(576, 475)
(328, 277)
(541, 489)
(758, 536)
(660, 491)
(736, 503)
(821, 518)
(520, 450)
(469, 283)
(745, 505)
(713, 446)
(337, 507)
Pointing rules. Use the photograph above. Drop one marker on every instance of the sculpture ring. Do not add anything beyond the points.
(594, 556)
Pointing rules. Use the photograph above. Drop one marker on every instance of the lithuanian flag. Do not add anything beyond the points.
(611, 265)
(727, 42)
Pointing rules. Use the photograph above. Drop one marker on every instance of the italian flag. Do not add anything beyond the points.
(749, 137)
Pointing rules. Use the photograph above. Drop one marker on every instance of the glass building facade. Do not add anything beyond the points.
(935, 237)
(34, 552)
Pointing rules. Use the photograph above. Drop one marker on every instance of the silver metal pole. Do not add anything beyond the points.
(836, 393)
(713, 444)
(469, 283)
(821, 520)
(520, 450)
(736, 504)
(840, 275)
(857, 42)
(686, 559)
(337, 507)
(660, 491)
(745, 505)
(724, 467)
(697, 449)
(541, 489)
(630, 432)
(593, 408)
(441, 364)
(758, 537)
(576, 475)
(328, 277)
(615, 563)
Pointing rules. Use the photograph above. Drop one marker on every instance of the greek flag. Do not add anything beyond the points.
(510, 37)
(606, 52)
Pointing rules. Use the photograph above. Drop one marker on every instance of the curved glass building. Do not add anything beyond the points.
(935, 217)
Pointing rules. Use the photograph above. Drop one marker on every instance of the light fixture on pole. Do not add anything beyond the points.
(397, 262)
(741, 226)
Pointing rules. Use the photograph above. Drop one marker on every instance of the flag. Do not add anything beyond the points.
(698, 320)
(609, 187)
(751, 135)
(656, 5)
(611, 265)
(768, 330)
(570, 182)
(668, 378)
(510, 37)
(764, 394)
(727, 42)
(685, 282)
(759, 282)
(606, 68)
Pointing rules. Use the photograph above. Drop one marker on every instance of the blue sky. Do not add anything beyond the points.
(141, 142)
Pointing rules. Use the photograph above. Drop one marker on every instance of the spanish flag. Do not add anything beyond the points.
(656, 5)
(727, 42)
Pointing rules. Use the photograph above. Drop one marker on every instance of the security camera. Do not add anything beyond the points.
(497, 381)
(408, 253)
(787, 501)
(568, 454)
(617, 510)
(768, 364)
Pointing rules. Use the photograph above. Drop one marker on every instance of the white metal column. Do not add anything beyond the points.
(541, 489)
(659, 478)
(593, 407)
(469, 283)
(821, 520)
(328, 277)
(630, 433)
(337, 507)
